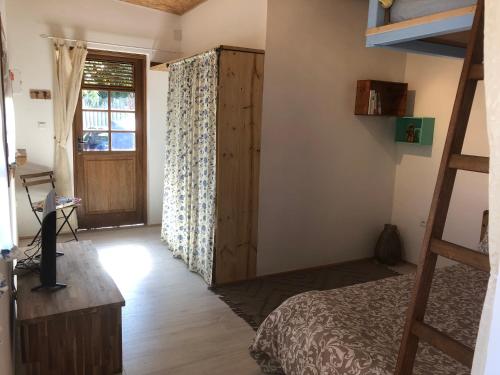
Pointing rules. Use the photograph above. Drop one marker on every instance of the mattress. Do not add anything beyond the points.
(357, 330)
(407, 9)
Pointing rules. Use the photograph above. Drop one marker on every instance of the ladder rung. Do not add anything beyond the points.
(461, 254)
(477, 72)
(479, 164)
(445, 343)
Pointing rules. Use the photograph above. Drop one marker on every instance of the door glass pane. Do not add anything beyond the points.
(95, 120)
(123, 121)
(95, 141)
(123, 141)
(123, 101)
(94, 99)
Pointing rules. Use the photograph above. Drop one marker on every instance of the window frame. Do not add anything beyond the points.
(109, 56)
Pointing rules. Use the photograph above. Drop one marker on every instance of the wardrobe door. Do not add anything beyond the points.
(241, 77)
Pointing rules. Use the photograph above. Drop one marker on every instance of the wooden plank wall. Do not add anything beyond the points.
(178, 7)
(239, 114)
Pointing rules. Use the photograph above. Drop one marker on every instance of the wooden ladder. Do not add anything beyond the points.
(433, 245)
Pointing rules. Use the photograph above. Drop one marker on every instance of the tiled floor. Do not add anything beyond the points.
(171, 323)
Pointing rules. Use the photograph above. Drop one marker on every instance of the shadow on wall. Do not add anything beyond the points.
(382, 130)
(409, 149)
(58, 30)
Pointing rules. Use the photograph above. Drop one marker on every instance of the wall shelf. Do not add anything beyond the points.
(415, 130)
(381, 98)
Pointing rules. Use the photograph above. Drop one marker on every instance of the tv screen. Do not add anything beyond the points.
(48, 266)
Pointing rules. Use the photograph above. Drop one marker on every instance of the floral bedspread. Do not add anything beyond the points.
(357, 330)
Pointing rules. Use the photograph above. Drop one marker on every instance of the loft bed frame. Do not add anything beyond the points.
(444, 33)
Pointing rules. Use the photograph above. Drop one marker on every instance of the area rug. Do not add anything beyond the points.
(255, 299)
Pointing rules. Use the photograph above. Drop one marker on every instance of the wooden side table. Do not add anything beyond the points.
(76, 330)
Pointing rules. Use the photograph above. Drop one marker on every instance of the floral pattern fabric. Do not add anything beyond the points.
(357, 330)
(188, 223)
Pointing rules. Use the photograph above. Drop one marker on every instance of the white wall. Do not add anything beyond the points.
(314, 209)
(239, 23)
(94, 20)
(5, 343)
(435, 81)
(327, 176)
(6, 241)
(158, 89)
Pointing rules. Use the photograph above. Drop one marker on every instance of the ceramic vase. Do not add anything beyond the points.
(388, 249)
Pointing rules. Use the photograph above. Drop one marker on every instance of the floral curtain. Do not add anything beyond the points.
(486, 355)
(189, 188)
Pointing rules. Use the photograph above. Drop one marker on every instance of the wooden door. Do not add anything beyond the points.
(110, 141)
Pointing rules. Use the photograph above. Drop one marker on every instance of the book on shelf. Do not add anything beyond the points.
(372, 102)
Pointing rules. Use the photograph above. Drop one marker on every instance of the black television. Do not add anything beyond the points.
(48, 265)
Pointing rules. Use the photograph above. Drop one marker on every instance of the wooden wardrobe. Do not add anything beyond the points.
(239, 110)
(239, 113)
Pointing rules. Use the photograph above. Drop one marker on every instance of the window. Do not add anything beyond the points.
(108, 106)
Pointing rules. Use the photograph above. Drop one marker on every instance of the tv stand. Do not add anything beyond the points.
(76, 330)
(49, 288)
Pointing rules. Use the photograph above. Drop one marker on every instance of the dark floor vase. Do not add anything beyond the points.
(388, 249)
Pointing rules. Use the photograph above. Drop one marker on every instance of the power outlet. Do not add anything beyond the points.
(423, 223)
(41, 125)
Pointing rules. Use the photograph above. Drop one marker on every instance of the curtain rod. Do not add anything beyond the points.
(45, 36)
(219, 48)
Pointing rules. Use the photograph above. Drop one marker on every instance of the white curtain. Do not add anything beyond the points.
(487, 353)
(189, 190)
(68, 71)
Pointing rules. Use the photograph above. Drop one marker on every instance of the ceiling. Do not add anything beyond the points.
(171, 6)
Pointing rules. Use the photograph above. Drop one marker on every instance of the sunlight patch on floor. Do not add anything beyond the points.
(126, 264)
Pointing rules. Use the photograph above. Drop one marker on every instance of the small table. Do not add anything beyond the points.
(75, 330)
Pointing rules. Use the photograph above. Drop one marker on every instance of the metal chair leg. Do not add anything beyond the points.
(66, 222)
(39, 230)
(36, 237)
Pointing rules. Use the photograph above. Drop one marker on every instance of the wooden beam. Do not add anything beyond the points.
(159, 67)
(435, 25)
(446, 42)
(477, 72)
(422, 20)
(446, 344)
(461, 254)
(471, 163)
(178, 7)
(218, 48)
(428, 48)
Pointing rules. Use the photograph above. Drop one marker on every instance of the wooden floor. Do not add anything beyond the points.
(171, 323)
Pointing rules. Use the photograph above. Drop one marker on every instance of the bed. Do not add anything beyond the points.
(357, 330)
(438, 27)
